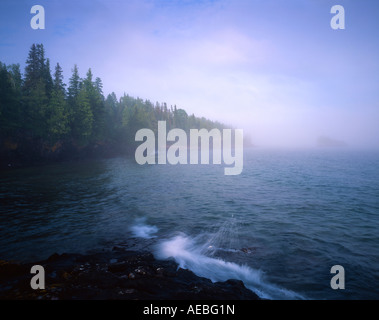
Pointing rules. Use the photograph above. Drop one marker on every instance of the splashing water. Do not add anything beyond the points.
(188, 254)
(226, 238)
(142, 230)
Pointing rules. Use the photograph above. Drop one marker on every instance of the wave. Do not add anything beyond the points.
(189, 255)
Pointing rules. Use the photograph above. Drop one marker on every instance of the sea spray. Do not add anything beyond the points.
(225, 238)
(143, 230)
(188, 254)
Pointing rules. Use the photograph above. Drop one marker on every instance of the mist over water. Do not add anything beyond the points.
(279, 226)
(307, 95)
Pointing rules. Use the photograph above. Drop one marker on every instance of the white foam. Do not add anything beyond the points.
(142, 230)
(188, 254)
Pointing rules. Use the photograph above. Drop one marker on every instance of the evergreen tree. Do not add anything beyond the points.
(99, 86)
(31, 70)
(113, 116)
(48, 79)
(58, 120)
(6, 98)
(80, 112)
(83, 118)
(96, 100)
(16, 78)
(10, 99)
(74, 84)
(39, 111)
(35, 97)
(58, 83)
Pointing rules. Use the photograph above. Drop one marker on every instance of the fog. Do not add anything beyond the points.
(275, 68)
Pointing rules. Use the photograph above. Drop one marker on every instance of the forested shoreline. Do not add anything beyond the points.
(43, 119)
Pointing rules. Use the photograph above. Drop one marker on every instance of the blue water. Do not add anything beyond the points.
(279, 226)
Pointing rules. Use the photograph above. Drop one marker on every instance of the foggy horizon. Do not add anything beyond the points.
(189, 150)
(275, 69)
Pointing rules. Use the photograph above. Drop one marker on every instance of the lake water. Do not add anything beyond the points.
(279, 226)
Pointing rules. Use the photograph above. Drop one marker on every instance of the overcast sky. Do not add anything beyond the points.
(275, 68)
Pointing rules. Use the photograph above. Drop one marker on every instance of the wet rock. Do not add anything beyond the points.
(11, 270)
(249, 250)
(131, 276)
(54, 257)
(141, 271)
(159, 271)
(116, 274)
(118, 267)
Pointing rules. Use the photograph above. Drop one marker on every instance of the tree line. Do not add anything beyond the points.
(41, 116)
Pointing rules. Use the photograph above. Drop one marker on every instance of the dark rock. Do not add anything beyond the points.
(53, 257)
(10, 269)
(118, 267)
(135, 275)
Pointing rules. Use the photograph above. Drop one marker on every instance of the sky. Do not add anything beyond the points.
(274, 68)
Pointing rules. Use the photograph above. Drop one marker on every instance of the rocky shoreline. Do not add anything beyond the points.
(117, 274)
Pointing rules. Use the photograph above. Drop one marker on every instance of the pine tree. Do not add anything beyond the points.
(96, 100)
(58, 83)
(113, 116)
(48, 79)
(74, 84)
(80, 113)
(39, 111)
(6, 99)
(58, 121)
(16, 76)
(31, 70)
(99, 86)
(10, 99)
(82, 118)
(34, 88)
